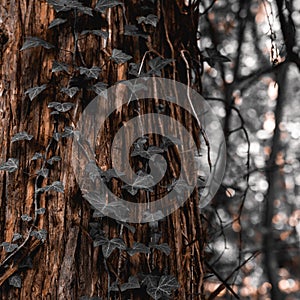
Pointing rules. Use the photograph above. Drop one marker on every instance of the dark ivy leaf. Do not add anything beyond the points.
(134, 69)
(133, 283)
(66, 5)
(215, 56)
(111, 245)
(120, 57)
(158, 63)
(164, 247)
(138, 248)
(100, 33)
(53, 159)
(33, 92)
(15, 281)
(168, 141)
(57, 22)
(90, 73)
(21, 136)
(26, 263)
(134, 87)
(132, 30)
(41, 211)
(150, 19)
(9, 247)
(71, 91)
(43, 172)
(56, 186)
(143, 181)
(167, 284)
(39, 234)
(129, 227)
(151, 217)
(99, 87)
(61, 107)
(16, 236)
(37, 155)
(32, 42)
(26, 218)
(103, 5)
(10, 166)
(59, 66)
(93, 171)
(69, 132)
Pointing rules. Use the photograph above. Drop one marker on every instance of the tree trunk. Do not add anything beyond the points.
(65, 265)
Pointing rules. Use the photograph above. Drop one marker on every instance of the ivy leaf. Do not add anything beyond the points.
(15, 281)
(120, 57)
(39, 234)
(32, 42)
(129, 227)
(41, 211)
(152, 217)
(57, 22)
(43, 172)
(9, 247)
(103, 5)
(132, 30)
(133, 283)
(66, 5)
(26, 218)
(100, 33)
(167, 284)
(109, 174)
(168, 141)
(143, 181)
(86, 10)
(115, 208)
(33, 92)
(150, 280)
(152, 150)
(90, 73)
(26, 263)
(138, 248)
(164, 247)
(71, 91)
(37, 155)
(21, 136)
(16, 236)
(150, 19)
(134, 87)
(61, 107)
(134, 69)
(54, 158)
(158, 63)
(59, 66)
(111, 245)
(69, 132)
(10, 166)
(99, 87)
(56, 186)
(93, 171)
(213, 56)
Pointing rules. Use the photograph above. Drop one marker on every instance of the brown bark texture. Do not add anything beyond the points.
(65, 265)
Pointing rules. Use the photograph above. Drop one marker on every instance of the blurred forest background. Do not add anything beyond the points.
(257, 96)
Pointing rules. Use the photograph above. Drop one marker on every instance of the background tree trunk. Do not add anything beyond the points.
(65, 265)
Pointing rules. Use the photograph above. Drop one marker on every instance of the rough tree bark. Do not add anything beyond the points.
(66, 266)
